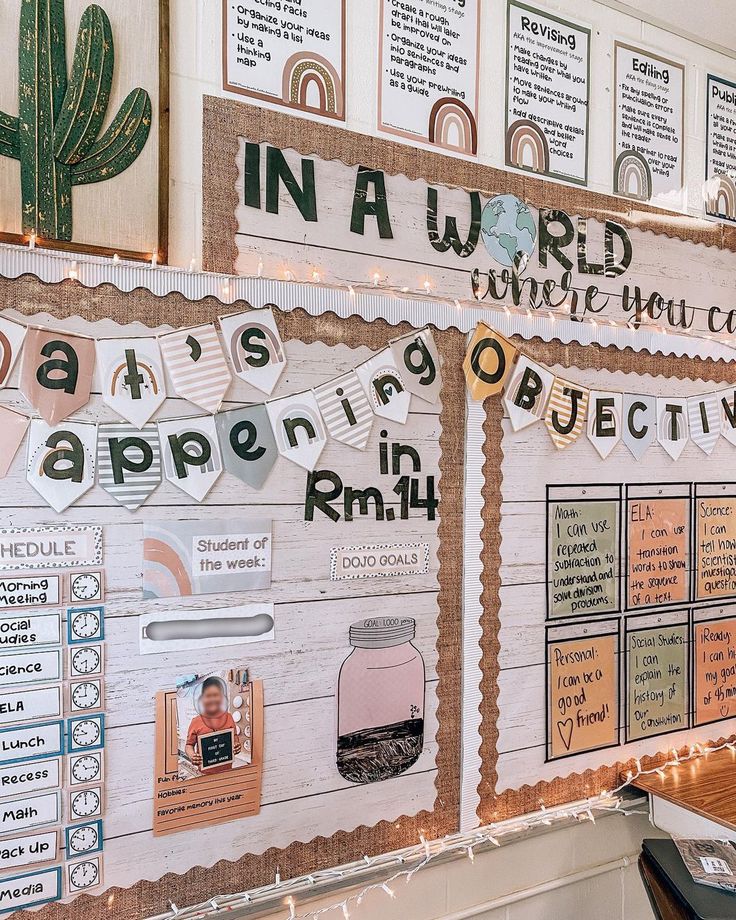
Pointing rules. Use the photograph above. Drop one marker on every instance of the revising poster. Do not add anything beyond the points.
(291, 54)
(428, 72)
(649, 125)
(720, 148)
(547, 94)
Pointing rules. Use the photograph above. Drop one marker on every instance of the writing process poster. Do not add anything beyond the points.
(290, 54)
(720, 148)
(649, 129)
(547, 94)
(428, 72)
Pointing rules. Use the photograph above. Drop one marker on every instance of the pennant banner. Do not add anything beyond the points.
(13, 426)
(566, 412)
(672, 425)
(704, 421)
(255, 349)
(247, 444)
(488, 362)
(129, 462)
(384, 386)
(197, 366)
(640, 423)
(191, 454)
(345, 409)
(12, 336)
(419, 362)
(527, 393)
(604, 420)
(61, 461)
(298, 428)
(727, 408)
(132, 377)
(56, 373)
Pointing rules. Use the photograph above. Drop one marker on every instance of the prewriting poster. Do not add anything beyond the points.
(428, 72)
(649, 128)
(720, 148)
(547, 94)
(288, 53)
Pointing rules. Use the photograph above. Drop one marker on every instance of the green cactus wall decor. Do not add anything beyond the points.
(56, 135)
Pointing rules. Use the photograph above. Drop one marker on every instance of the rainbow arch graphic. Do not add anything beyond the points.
(305, 70)
(632, 176)
(448, 116)
(720, 197)
(267, 338)
(527, 147)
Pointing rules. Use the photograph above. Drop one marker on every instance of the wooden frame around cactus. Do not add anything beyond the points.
(161, 112)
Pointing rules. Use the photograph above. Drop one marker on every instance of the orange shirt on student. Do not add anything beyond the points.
(202, 726)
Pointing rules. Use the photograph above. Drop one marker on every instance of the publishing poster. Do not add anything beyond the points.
(649, 126)
(547, 94)
(720, 148)
(428, 73)
(290, 54)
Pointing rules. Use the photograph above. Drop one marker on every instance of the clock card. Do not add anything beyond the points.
(85, 733)
(215, 723)
(17, 852)
(83, 875)
(83, 839)
(85, 803)
(85, 624)
(86, 587)
(85, 660)
(86, 768)
(86, 695)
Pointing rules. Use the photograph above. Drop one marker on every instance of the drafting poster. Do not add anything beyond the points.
(720, 148)
(428, 73)
(547, 94)
(649, 126)
(290, 54)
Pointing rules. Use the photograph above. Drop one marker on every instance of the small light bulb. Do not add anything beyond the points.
(388, 891)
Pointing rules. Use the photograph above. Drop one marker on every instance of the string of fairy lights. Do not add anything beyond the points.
(402, 866)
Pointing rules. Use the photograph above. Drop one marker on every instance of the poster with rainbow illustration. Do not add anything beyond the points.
(428, 73)
(293, 56)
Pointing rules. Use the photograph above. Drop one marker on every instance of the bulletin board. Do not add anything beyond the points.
(307, 815)
(637, 629)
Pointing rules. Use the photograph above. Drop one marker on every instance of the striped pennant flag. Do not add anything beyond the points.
(197, 366)
(128, 462)
(704, 415)
(346, 410)
(566, 412)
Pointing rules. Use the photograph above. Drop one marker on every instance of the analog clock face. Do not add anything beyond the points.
(86, 625)
(84, 839)
(85, 587)
(86, 660)
(86, 733)
(86, 769)
(86, 695)
(84, 875)
(85, 804)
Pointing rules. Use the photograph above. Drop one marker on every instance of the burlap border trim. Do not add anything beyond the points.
(562, 789)
(29, 296)
(225, 120)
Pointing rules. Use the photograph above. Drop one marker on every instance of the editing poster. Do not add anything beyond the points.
(428, 72)
(720, 148)
(547, 92)
(291, 54)
(649, 126)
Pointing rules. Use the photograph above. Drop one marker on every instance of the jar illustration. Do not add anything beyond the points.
(380, 701)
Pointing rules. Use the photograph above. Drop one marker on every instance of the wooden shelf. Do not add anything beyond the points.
(706, 786)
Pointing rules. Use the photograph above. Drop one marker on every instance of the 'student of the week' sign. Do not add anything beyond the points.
(344, 223)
